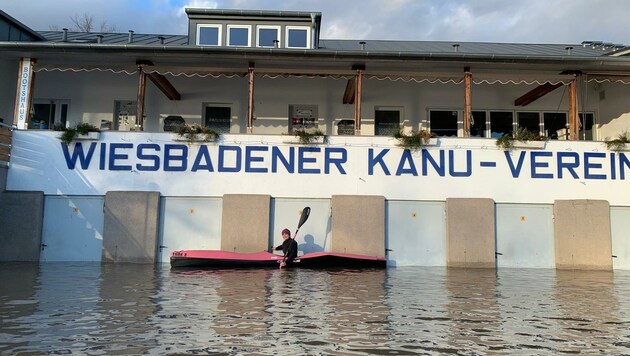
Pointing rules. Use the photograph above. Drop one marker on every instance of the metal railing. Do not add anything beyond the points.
(6, 133)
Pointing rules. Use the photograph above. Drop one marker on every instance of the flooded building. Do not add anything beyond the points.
(411, 150)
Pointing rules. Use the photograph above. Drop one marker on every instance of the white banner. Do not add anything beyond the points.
(254, 164)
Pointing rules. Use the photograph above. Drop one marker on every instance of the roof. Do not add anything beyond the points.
(19, 25)
(520, 49)
(115, 38)
(378, 46)
(252, 13)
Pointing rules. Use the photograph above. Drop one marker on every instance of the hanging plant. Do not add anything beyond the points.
(82, 130)
(413, 140)
(307, 137)
(509, 140)
(618, 143)
(195, 133)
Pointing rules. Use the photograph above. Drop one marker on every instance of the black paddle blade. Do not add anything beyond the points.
(305, 213)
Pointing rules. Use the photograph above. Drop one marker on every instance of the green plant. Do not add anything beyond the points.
(69, 134)
(522, 134)
(618, 143)
(309, 136)
(414, 140)
(192, 133)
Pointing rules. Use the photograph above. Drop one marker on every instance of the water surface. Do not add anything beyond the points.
(86, 308)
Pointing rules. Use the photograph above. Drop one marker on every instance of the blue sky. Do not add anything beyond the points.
(527, 21)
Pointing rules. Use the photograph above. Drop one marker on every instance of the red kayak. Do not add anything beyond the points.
(224, 259)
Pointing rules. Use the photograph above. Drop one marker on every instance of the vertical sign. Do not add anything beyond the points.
(23, 100)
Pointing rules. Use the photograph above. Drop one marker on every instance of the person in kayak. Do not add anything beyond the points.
(289, 248)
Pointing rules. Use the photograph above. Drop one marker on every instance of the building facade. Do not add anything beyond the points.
(136, 191)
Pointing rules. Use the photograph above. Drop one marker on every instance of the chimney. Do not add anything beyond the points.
(362, 44)
(456, 47)
(568, 50)
(99, 38)
(161, 38)
(65, 35)
(130, 39)
(276, 43)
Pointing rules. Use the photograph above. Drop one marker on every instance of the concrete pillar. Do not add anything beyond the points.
(358, 224)
(130, 228)
(470, 233)
(582, 234)
(245, 223)
(21, 223)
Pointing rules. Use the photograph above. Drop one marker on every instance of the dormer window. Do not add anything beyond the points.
(298, 37)
(255, 28)
(267, 36)
(209, 35)
(239, 35)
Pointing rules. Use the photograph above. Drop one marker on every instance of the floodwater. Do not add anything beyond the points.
(94, 309)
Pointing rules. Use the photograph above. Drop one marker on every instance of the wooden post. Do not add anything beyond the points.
(574, 122)
(24, 97)
(250, 98)
(357, 99)
(467, 101)
(142, 87)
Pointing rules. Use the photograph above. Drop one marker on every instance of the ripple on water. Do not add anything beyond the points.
(79, 308)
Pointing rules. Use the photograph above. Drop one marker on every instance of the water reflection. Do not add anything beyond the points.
(134, 309)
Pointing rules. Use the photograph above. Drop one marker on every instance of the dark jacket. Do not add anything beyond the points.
(289, 249)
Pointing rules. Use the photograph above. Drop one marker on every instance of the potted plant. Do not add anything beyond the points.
(196, 133)
(307, 137)
(413, 140)
(618, 143)
(82, 131)
(522, 138)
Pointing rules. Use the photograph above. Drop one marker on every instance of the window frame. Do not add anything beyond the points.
(57, 108)
(269, 27)
(308, 36)
(540, 128)
(249, 35)
(204, 118)
(401, 118)
(458, 122)
(219, 34)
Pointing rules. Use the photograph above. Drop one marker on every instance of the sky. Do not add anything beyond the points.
(509, 21)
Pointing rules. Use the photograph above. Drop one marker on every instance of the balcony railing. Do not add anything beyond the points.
(6, 133)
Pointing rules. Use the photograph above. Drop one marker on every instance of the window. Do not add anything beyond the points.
(238, 35)
(500, 123)
(209, 35)
(217, 117)
(529, 121)
(587, 121)
(443, 123)
(298, 37)
(267, 35)
(49, 113)
(478, 125)
(386, 121)
(555, 125)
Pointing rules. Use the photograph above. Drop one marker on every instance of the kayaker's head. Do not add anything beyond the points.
(286, 233)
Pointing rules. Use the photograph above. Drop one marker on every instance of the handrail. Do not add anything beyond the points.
(10, 127)
(5, 140)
